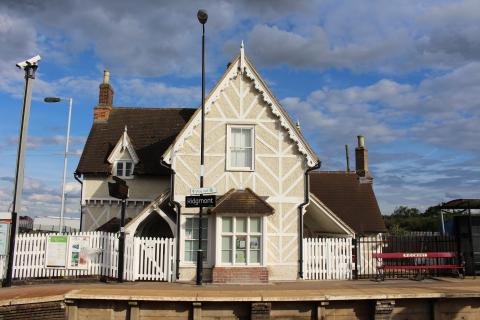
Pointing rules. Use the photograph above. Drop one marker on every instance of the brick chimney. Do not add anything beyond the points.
(361, 161)
(105, 100)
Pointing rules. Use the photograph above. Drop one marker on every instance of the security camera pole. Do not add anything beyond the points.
(30, 67)
(202, 16)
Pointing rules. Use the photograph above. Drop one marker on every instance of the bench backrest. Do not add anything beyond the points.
(404, 255)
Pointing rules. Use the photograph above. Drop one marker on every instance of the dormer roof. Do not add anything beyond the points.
(123, 144)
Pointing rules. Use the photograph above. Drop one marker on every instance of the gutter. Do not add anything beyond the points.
(300, 212)
(178, 206)
(77, 177)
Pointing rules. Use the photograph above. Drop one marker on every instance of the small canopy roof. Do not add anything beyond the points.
(242, 201)
(461, 204)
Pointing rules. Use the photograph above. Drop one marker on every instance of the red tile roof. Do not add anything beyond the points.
(353, 202)
(242, 201)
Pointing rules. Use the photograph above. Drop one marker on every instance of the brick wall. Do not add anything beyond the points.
(46, 310)
(240, 275)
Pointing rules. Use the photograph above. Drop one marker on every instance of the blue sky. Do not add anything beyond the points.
(406, 74)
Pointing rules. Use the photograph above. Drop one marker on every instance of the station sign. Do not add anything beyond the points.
(204, 190)
(200, 201)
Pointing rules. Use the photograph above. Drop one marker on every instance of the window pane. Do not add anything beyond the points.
(255, 225)
(227, 256)
(247, 137)
(128, 169)
(236, 137)
(189, 256)
(248, 157)
(188, 245)
(255, 243)
(227, 225)
(254, 256)
(242, 158)
(119, 169)
(227, 243)
(241, 225)
(241, 249)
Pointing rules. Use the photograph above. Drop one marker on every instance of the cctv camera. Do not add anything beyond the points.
(30, 62)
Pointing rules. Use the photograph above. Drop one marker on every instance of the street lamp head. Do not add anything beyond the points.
(202, 16)
(52, 99)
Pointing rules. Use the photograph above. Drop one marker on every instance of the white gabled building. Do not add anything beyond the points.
(255, 157)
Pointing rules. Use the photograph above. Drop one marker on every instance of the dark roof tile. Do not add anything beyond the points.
(353, 202)
(151, 131)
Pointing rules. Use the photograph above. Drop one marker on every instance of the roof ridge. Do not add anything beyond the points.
(155, 108)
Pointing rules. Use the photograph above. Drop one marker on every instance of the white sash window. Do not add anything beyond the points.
(240, 147)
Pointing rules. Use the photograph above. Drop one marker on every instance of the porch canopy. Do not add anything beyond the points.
(242, 202)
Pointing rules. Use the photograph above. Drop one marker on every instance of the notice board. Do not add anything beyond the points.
(56, 251)
(77, 252)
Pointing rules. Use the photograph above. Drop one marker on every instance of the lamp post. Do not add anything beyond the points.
(29, 67)
(70, 100)
(202, 16)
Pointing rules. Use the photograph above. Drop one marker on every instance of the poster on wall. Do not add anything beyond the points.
(4, 237)
(56, 251)
(77, 252)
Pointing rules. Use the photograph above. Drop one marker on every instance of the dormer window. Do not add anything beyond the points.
(124, 169)
(123, 157)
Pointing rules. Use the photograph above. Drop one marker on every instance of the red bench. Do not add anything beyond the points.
(421, 267)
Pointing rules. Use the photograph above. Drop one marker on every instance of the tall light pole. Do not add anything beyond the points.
(202, 16)
(70, 100)
(29, 67)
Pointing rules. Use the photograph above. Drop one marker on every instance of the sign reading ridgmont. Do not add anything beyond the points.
(200, 201)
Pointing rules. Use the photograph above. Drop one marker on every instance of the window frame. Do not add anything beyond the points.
(124, 168)
(205, 238)
(248, 234)
(228, 157)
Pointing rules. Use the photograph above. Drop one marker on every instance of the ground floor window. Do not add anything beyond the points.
(241, 240)
(192, 238)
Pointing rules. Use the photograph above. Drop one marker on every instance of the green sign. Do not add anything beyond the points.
(56, 256)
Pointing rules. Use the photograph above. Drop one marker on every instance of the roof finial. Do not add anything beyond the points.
(242, 57)
(124, 138)
(298, 125)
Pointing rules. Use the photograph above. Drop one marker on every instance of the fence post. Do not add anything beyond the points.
(354, 249)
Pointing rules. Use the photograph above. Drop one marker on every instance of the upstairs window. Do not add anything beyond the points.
(124, 169)
(240, 147)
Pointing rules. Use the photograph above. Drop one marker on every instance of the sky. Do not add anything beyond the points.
(405, 74)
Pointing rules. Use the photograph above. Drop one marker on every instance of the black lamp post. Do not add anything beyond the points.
(202, 16)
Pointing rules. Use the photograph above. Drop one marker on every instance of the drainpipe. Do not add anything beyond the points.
(300, 212)
(178, 206)
(77, 177)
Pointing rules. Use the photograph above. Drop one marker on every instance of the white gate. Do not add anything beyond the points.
(145, 258)
(327, 258)
(156, 258)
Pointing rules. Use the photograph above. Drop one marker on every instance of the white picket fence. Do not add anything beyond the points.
(141, 263)
(327, 258)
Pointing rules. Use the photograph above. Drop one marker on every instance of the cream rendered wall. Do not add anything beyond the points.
(279, 172)
(141, 189)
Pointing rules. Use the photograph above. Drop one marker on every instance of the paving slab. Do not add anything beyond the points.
(280, 291)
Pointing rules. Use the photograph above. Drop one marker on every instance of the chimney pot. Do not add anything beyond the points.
(106, 76)
(361, 141)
